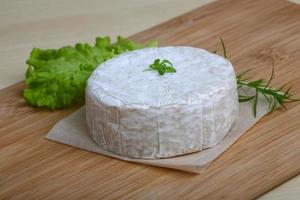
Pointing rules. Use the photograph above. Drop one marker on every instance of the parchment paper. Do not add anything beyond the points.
(72, 131)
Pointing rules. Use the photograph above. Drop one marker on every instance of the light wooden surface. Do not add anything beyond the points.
(33, 164)
(52, 24)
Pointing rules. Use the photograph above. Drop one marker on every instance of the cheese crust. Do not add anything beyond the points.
(141, 114)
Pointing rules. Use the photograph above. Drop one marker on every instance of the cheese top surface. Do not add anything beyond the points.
(123, 81)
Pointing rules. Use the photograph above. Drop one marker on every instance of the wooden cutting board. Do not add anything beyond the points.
(257, 33)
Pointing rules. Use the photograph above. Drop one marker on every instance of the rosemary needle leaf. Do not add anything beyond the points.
(240, 75)
(272, 76)
(223, 46)
(255, 103)
(256, 83)
(245, 98)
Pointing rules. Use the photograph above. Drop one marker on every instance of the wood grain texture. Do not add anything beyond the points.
(55, 23)
(256, 33)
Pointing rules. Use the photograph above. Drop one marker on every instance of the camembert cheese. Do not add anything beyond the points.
(141, 114)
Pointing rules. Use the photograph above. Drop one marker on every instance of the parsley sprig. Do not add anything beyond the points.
(161, 67)
(261, 86)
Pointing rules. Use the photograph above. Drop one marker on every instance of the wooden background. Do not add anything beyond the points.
(257, 33)
(55, 23)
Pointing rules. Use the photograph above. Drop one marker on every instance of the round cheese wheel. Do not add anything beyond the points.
(141, 114)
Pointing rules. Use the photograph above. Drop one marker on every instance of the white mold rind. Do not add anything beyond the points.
(141, 114)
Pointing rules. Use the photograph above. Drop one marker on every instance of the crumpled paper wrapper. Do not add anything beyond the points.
(72, 131)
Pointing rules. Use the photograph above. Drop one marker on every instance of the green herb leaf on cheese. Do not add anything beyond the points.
(161, 67)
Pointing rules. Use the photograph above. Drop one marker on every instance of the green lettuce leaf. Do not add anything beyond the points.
(56, 78)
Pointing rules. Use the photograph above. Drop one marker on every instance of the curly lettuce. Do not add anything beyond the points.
(56, 78)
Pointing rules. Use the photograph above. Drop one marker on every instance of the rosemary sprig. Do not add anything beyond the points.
(161, 67)
(274, 96)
